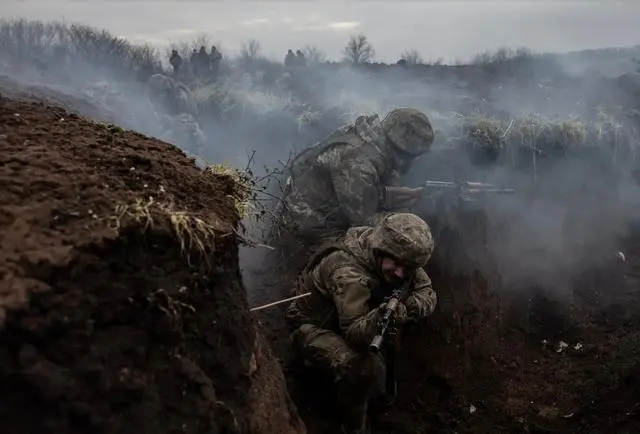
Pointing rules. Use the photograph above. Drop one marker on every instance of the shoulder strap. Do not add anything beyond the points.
(320, 255)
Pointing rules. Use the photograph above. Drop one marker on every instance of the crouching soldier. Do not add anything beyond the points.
(350, 282)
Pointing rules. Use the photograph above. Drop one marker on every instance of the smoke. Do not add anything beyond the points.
(576, 196)
(567, 215)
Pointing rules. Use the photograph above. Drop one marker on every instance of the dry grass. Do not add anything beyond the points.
(611, 131)
(548, 136)
(194, 234)
(239, 95)
(244, 186)
(538, 135)
(485, 135)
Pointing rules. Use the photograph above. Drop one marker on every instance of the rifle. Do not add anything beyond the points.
(468, 187)
(388, 330)
(386, 324)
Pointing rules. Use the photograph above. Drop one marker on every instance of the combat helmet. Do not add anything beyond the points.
(408, 130)
(405, 237)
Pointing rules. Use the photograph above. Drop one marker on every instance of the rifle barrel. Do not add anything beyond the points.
(471, 186)
(376, 343)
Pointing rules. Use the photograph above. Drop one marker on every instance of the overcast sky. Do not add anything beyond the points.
(451, 30)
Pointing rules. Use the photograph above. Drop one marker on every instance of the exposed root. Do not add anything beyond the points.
(193, 233)
(170, 306)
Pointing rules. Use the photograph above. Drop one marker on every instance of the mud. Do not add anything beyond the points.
(122, 303)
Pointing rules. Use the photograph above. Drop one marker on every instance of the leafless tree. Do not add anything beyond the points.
(411, 57)
(359, 50)
(314, 54)
(250, 50)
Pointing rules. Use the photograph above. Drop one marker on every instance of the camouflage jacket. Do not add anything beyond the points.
(347, 290)
(339, 182)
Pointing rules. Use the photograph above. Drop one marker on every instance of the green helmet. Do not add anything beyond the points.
(408, 130)
(405, 237)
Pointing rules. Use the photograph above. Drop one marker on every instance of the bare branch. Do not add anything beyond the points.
(359, 50)
(411, 57)
(314, 54)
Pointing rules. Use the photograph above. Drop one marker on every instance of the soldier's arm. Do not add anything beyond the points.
(356, 183)
(351, 296)
(395, 180)
(422, 301)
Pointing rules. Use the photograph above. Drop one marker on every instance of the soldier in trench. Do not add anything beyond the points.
(351, 178)
(349, 282)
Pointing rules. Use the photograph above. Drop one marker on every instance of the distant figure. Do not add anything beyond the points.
(193, 62)
(176, 61)
(170, 94)
(300, 59)
(289, 59)
(214, 58)
(203, 62)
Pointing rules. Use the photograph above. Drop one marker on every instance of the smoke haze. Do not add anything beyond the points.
(567, 214)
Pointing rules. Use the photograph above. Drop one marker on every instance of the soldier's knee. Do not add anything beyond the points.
(323, 348)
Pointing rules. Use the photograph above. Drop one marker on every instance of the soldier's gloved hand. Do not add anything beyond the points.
(416, 307)
(395, 197)
(401, 313)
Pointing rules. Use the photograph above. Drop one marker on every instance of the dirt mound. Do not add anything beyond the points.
(122, 304)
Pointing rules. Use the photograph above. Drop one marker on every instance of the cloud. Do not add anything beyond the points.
(146, 39)
(255, 22)
(344, 25)
(184, 31)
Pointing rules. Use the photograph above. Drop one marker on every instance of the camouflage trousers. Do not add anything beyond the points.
(355, 377)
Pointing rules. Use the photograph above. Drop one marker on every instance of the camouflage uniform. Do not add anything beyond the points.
(180, 125)
(340, 182)
(332, 327)
(184, 130)
(174, 96)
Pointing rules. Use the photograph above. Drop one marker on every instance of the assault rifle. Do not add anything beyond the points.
(386, 324)
(387, 333)
(467, 187)
(444, 195)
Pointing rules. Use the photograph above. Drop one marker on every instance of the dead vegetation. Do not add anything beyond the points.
(196, 235)
(488, 138)
(46, 44)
